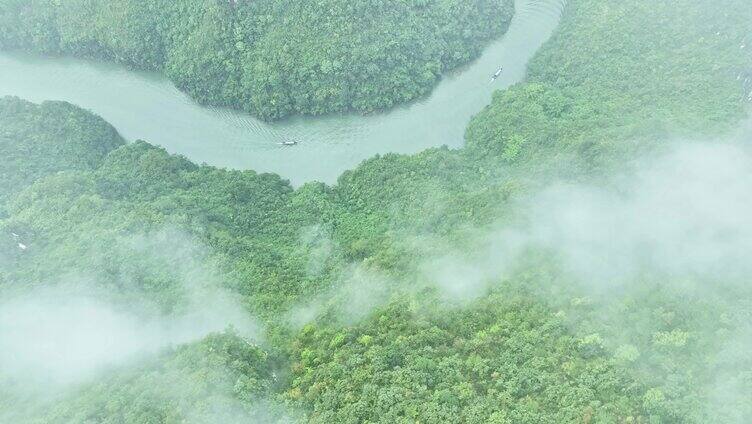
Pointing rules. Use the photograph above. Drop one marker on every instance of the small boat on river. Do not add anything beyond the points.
(497, 74)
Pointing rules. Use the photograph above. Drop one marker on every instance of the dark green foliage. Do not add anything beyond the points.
(80, 220)
(40, 140)
(270, 58)
(616, 77)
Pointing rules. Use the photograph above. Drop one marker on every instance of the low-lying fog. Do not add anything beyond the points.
(68, 331)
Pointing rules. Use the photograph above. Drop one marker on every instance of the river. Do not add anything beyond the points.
(148, 106)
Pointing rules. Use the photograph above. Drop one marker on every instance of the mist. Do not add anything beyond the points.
(674, 224)
(356, 293)
(58, 336)
(685, 213)
(51, 337)
(680, 213)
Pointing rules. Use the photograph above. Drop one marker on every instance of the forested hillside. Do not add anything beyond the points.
(270, 58)
(36, 141)
(447, 286)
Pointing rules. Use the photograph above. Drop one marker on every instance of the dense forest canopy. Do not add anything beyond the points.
(271, 58)
(36, 141)
(377, 299)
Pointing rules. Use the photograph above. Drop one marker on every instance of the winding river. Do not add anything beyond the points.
(147, 106)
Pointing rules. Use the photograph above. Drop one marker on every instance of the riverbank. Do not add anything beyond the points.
(149, 107)
(385, 295)
(271, 59)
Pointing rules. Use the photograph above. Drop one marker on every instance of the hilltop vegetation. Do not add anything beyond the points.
(40, 140)
(270, 58)
(624, 77)
(380, 342)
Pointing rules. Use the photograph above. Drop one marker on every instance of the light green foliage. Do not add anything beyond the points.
(626, 353)
(634, 70)
(617, 76)
(674, 338)
(502, 359)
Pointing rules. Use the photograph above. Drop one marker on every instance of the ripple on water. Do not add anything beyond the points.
(535, 10)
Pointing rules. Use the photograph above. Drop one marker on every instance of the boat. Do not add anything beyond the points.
(289, 143)
(497, 74)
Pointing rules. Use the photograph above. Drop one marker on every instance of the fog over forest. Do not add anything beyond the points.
(581, 255)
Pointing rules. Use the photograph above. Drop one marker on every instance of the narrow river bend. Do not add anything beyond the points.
(147, 106)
